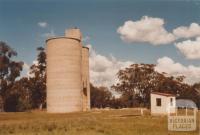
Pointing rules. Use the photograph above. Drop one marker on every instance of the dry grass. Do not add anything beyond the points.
(110, 122)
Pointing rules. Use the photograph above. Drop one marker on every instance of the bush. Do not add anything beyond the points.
(23, 105)
(15, 103)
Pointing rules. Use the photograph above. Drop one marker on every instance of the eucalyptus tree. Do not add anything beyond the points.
(9, 70)
(100, 97)
(137, 81)
(38, 80)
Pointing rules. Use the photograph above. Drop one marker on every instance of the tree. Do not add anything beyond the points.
(195, 93)
(18, 98)
(1, 104)
(139, 80)
(117, 103)
(38, 80)
(9, 71)
(100, 97)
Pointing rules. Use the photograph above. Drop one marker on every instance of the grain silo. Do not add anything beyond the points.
(85, 78)
(64, 73)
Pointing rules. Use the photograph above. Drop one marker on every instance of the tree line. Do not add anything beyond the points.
(21, 93)
(137, 81)
(135, 84)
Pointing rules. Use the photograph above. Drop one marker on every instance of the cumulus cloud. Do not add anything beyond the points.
(147, 29)
(151, 30)
(187, 32)
(28, 74)
(167, 65)
(42, 24)
(190, 48)
(103, 69)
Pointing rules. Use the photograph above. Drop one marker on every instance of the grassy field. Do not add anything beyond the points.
(104, 122)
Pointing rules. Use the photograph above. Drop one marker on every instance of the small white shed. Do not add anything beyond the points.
(162, 103)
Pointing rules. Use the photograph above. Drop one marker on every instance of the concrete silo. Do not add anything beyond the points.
(85, 78)
(64, 73)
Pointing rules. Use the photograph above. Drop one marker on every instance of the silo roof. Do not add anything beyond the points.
(85, 47)
(62, 37)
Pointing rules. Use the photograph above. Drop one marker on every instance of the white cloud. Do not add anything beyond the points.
(26, 66)
(42, 24)
(167, 65)
(35, 62)
(147, 29)
(190, 48)
(49, 34)
(103, 69)
(151, 30)
(25, 71)
(187, 32)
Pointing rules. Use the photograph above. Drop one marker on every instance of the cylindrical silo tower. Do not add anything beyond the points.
(64, 79)
(85, 78)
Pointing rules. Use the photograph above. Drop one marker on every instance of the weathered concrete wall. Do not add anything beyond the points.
(64, 83)
(85, 78)
(68, 83)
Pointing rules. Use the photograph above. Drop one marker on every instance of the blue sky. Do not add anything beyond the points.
(97, 19)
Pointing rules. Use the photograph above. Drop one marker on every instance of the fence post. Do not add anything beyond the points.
(186, 111)
(141, 111)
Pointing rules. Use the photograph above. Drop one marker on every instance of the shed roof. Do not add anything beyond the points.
(163, 94)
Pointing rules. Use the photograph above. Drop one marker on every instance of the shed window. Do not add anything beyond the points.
(158, 101)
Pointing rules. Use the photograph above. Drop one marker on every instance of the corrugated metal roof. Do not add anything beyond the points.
(163, 94)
